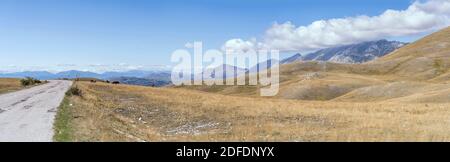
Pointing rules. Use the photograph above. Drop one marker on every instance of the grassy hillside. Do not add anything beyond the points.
(424, 59)
(108, 112)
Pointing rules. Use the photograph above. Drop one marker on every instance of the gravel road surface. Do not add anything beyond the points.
(28, 115)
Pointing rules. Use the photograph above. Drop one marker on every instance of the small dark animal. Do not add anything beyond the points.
(93, 81)
(115, 82)
(107, 81)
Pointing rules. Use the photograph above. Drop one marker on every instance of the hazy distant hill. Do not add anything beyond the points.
(350, 54)
(262, 66)
(76, 74)
(34, 74)
(157, 75)
(227, 71)
(296, 57)
(142, 81)
(138, 74)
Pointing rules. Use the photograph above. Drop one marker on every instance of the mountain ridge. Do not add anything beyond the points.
(350, 54)
(45, 75)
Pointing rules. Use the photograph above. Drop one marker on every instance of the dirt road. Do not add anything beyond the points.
(28, 115)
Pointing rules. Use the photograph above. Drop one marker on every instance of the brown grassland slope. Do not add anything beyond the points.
(130, 113)
(424, 59)
(404, 96)
(9, 85)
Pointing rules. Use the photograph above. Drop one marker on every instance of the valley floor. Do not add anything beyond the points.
(108, 112)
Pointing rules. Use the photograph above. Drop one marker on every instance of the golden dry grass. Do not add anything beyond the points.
(402, 97)
(9, 85)
(131, 113)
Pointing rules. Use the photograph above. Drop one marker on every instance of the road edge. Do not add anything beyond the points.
(61, 124)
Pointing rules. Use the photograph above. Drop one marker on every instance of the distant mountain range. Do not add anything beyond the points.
(142, 81)
(227, 71)
(44, 75)
(350, 54)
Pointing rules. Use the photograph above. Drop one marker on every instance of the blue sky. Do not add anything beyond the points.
(143, 32)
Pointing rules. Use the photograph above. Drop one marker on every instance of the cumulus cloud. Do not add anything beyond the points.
(189, 45)
(419, 17)
(240, 45)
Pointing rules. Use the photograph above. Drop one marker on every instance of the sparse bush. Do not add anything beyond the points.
(29, 81)
(74, 91)
(24, 82)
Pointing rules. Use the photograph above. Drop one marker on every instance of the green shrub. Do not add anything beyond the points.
(29, 81)
(74, 91)
(25, 82)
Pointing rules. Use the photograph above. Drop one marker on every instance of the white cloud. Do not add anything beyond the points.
(419, 17)
(189, 45)
(65, 65)
(240, 45)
